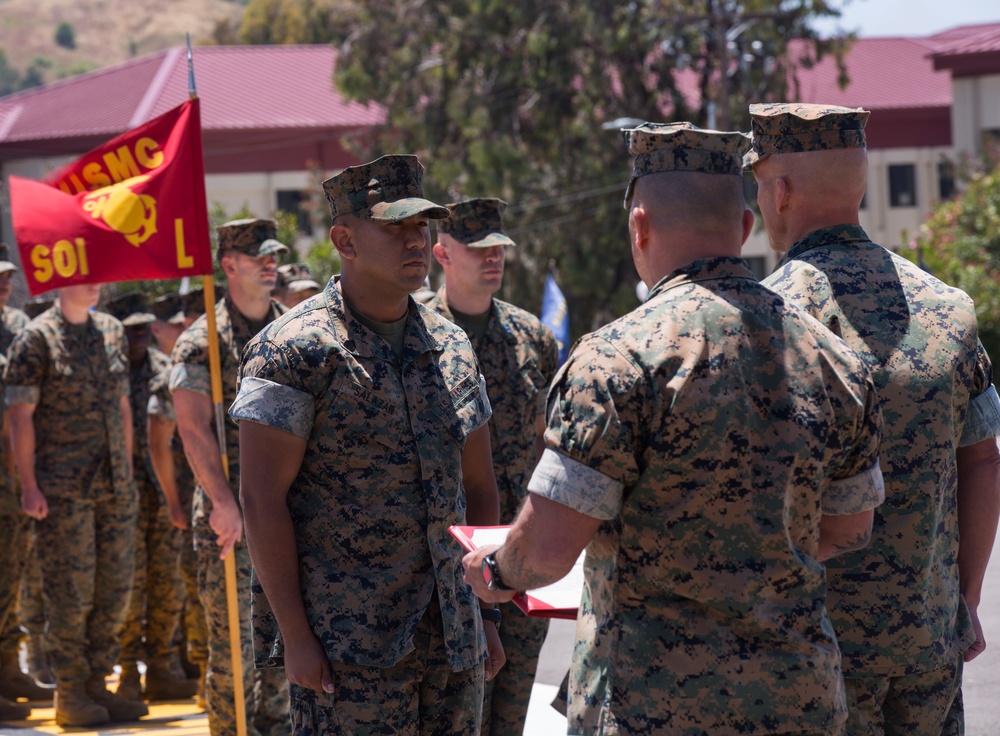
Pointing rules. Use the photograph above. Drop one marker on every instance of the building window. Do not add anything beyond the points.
(902, 185)
(946, 179)
(290, 201)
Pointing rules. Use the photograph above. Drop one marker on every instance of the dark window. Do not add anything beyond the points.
(902, 185)
(946, 179)
(290, 201)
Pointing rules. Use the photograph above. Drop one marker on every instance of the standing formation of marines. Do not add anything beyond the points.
(787, 491)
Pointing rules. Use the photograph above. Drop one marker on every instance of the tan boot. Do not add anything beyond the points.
(130, 684)
(13, 711)
(38, 661)
(167, 681)
(75, 708)
(119, 709)
(15, 684)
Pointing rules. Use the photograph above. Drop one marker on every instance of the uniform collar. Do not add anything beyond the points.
(357, 339)
(706, 269)
(835, 235)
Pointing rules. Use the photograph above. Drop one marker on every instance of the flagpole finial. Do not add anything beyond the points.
(192, 91)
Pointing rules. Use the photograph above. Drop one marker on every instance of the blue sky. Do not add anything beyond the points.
(911, 17)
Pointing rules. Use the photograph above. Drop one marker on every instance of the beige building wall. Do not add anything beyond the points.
(975, 108)
(888, 225)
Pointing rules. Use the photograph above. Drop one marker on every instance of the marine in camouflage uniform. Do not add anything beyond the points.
(15, 531)
(175, 313)
(157, 593)
(898, 606)
(366, 412)
(247, 250)
(698, 444)
(31, 607)
(67, 382)
(518, 357)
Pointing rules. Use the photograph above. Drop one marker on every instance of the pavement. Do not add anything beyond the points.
(182, 718)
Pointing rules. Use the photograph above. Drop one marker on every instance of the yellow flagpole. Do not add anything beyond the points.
(215, 368)
(232, 591)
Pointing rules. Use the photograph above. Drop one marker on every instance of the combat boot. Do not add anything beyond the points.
(167, 682)
(75, 708)
(15, 684)
(13, 711)
(38, 662)
(119, 709)
(129, 684)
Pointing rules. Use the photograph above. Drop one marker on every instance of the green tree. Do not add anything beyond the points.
(960, 244)
(65, 35)
(514, 100)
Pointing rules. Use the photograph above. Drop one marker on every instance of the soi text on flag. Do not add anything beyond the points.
(132, 209)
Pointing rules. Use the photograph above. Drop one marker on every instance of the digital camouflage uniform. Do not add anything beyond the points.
(266, 691)
(31, 608)
(518, 356)
(161, 404)
(895, 605)
(76, 376)
(15, 532)
(711, 429)
(158, 592)
(379, 486)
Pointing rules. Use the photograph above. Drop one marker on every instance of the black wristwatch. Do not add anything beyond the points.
(491, 573)
(491, 614)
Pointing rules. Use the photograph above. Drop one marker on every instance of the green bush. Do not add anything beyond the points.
(65, 35)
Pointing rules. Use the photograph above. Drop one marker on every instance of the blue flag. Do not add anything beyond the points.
(555, 316)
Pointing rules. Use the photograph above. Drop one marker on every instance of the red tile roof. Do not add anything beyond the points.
(884, 73)
(967, 39)
(241, 88)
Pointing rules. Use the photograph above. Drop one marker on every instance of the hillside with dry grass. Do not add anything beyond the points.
(105, 32)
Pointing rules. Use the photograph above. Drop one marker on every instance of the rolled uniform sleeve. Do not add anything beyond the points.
(27, 365)
(191, 377)
(282, 407)
(983, 418)
(856, 482)
(571, 483)
(590, 458)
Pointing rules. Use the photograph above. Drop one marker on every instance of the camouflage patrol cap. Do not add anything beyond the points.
(801, 128)
(296, 277)
(661, 147)
(34, 307)
(478, 223)
(130, 309)
(251, 236)
(193, 303)
(5, 263)
(388, 189)
(168, 308)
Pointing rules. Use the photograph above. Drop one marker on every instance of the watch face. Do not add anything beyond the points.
(488, 571)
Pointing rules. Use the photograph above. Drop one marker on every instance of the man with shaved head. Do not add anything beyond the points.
(905, 607)
(709, 449)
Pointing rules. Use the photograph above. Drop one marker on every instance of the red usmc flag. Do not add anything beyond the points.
(132, 209)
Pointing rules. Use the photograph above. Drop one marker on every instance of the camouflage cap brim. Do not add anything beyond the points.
(294, 287)
(488, 240)
(140, 318)
(400, 209)
(271, 247)
(751, 158)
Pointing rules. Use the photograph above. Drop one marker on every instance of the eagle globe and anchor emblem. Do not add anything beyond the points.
(122, 209)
